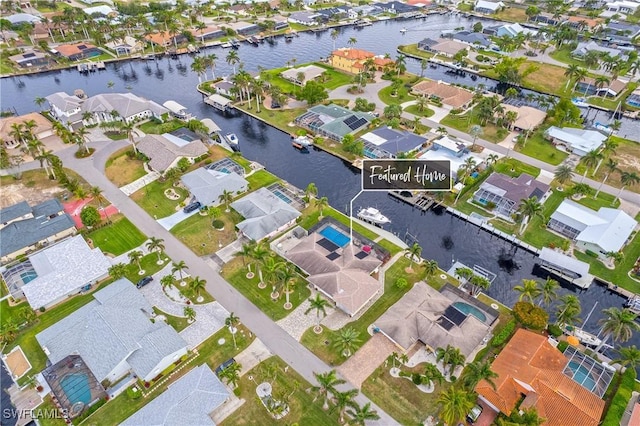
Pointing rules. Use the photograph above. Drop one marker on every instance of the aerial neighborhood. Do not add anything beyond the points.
(189, 236)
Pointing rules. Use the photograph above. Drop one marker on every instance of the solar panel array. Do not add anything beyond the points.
(354, 122)
(350, 120)
(28, 55)
(362, 255)
(327, 245)
(454, 315)
(445, 323)
(332, 256)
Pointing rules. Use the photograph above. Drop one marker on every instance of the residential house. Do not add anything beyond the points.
(304, 18)
(243, 28)
(65, 108)
(591, 46)
(58, 272)
(385, 142)
(280, 23)
(115, 336)
(335, 14)
(352, 60)
(505, 193)
(634, 99)
(265, 214)
(512, 30)
(77, 51)
(621, 32)
(547, 19)
(584, 23)
(472, 38)
(208, 33)
(532, 373)
(24, 228)
(22, 18)
(125, 46)
(621, 7)
(575, 141)
(127, 107)
(188, 401)
(102, 11)
(455, 151)
(436, 319)
(605, 231)
(451, 96)
(487, 7)
(528, 118)
(164, 39)
(164, 151)
(443, 46)
(304, 2)
(30, 59)
(611, 90)
(206, 185)
(225, 88)
(333, 121)
(239, 9)
(398, 8)
(309, 72)
(42, 130)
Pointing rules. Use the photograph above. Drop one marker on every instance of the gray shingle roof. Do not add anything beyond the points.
(64, 101)
(186, 402)
(162, 152)
(126, 104)
(25, 233)
(109, 330)
(15, 211)
(515, 189)
(264, 213)
(47, 208)
(207, 185)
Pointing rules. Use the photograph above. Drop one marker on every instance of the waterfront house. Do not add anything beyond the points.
(77, 51)
(189, 401)
(102, 11)
(442, 46)
(127, 107)
(265, 214)
(24, 228)
(591, 46)
(164, 39)
(333, 121)
(164, 151)
(65, 108)
(455, 151)
(115, 336)
(304, 2)
(42, 131)
(334, 13)
(206, 185)
(528, 118)
(385, 142)
(611, 90)
(451, 96)
(584, 23)
(208, 33)
(532, 373)
(512, 30)
(503, 194)
(239, 9)
(634, 99)
(178, 111)
(400, 9)
(352, 60)
(243, 28)
(575, 141)
(309, 72)
(607, 230)
(487, 7)
(30, 58)
(225, 88)
(621, 32)
(427, 317)
(472, 38)
(621, 7)
(126, 45)
(280, 22)
(62, 270)
(22, 18)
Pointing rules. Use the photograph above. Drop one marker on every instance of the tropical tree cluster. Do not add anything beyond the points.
(343, 402)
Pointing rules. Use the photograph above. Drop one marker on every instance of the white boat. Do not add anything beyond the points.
(580, 102)
(633, 304)
(373, 215)
(586, 338)
(232, 139)
(603, 128)
(403, 30)
(302, 142)
(226, 45)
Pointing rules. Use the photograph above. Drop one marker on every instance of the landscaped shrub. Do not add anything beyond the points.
(89, 216)
(562, 345)
(218, 224)
(530, 315)
(416, 379)
(133, 394)
(401, 283)
(504, 334)
(590, 253)
(554, 330)
(621, 398)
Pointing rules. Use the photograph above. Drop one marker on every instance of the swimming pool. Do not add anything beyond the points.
(468, 309)
(282, 196)
(28, 276)
(335, 236)
(581, 375)
(76, 388)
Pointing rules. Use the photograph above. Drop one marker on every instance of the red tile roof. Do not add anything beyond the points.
(74, 49)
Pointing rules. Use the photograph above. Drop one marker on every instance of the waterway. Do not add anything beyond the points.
(443, 237)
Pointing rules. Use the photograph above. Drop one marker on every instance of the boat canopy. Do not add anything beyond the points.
(563, 263)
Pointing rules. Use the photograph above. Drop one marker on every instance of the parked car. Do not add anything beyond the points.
(191, 207)
(473, 415)
(144, 281)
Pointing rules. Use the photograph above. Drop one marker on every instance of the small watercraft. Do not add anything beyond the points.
(232, 139)
(301, 142)
(633, 304)
(373, 215)
(580, 102)
(403, 30)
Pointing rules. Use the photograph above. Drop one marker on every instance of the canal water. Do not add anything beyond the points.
(442, 236)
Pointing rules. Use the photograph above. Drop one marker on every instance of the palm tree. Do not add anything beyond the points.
(327, 383)
(463, 171)
(271, 268)
(529, 208)
(618, 325)
(166, 281)
(475, 132)
(563, 173)
(334, 37)
(628, 356)
(528, 290)
(451, 357)
(400, 64)
(548, 291)
(232, 59)
(600, 81)
(441, 131)
(81, 138)
(231, 322)
(96, 193)
(607, 149)
(288, 278)
(492, 159)
(454, 403)
(347, 341)
(431, 374)
(231, 374)
(246, 251)
(157, 245)
(319, 304)
(343, 400)
(361, 414)
(568, 310)
(259, 254)
(414, 251)
(430, 267)
(135, 256)
(528, 417)
(591, 159)
(580, 75)
(321, 204)
(610, 167)
(226, 197)
(311, 191)
(627, 179)
(117, 271)
(179, 267)
(196, 285)
(475, 372)
(478, 283)
(352, 41)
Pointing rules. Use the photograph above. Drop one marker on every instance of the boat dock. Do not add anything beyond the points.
(88, 67)
(219, 102)
(421, 200)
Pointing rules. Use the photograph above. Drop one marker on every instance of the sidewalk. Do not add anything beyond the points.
(138, 184)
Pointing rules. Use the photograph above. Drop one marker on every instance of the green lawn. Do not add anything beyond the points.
(178, 323)
(261, 178)
(279, 118)
(514, 168)
(121, 170)
(626, 155)
(149, 265)
(117, 238)
(413, 109)
(197, 232)
(303, 410)
(187, 292)
(627, 384)
(152, 199)
(331, 78)
(403, 94)
(158, 128)
(612, 103)
(121, 407)
(389, 246)
(538, 147)
(412, 50)
(536, 232)
(464, 122)
(235, 273)
(564, 55)
(48, 407)
(511, 14)
(311, 216)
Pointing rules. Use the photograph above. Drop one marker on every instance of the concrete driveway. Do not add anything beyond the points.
(171, 221)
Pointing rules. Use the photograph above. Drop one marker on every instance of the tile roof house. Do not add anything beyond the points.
(530, 368)
(43, 129)
(188, 401)
(23, 228)
(385, 142)
(20, 18)
(506, 192)
(63, 270)
(265, 214)
(77, 51)
(310, 72)
(576, 141)
(114, 335)
(443, 46)
(352, 60)
(64, 107)
(164, 151)
(208, 33)
(206, 186)
(528, 118)
(472, 38)
(455, 97)
(429, 317)
(588, 86)
(512, 30)
(591, 46)
(606, 230)
(129, 107)
(30, 59)
(304, 18)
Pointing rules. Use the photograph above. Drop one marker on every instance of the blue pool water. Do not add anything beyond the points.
(282, 197)
(468, 309)
(76, 387)
(581, 376)
(335, 236)
(28, 276)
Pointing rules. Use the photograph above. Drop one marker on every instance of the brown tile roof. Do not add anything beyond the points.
(450, 47)
(528, 117)
(160, 38)
(73, 49)
(353, 54)
(42, 124)
(635, 415)
(616, 85)
(450, 95)
(530, 366)
(591, 23)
